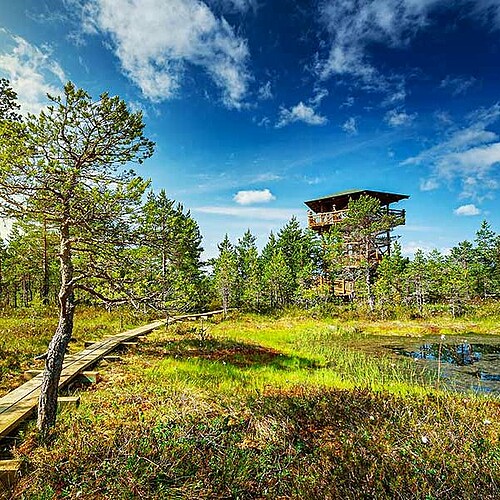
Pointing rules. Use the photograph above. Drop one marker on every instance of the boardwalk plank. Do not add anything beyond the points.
(20, 403)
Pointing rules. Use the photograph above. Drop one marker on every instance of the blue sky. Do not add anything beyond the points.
(259, 105)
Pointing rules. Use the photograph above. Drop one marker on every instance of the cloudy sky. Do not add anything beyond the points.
(258, 105)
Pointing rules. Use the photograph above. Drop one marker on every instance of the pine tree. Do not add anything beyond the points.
(390, 279)
(170, 252)
(486, 270)
(226, 274)
(277, 281)
(418, 281)
(69, 172)
(436, 275)
(292, 244)
(249, 272)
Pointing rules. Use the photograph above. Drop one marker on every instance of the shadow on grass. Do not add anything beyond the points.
(238, 354)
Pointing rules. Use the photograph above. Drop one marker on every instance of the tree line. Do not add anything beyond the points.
(155, 265)
(297, 267)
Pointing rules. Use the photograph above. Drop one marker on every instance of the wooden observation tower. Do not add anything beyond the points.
(331, 210)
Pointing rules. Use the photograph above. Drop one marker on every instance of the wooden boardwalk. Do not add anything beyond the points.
(20, 403)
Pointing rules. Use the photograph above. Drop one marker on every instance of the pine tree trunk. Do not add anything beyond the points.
(47, 404)
(45, 284)
(368, 280)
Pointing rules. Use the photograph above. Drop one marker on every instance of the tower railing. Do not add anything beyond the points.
(326, 219)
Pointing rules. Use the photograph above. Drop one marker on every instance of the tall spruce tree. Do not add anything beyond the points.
(487, 269)
(390, 284)
(277, 280)
(249, 271)
(418, 281)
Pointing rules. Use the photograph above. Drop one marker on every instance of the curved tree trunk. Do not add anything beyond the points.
(47, 404)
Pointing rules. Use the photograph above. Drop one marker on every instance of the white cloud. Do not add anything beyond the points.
(354, 26)
(265, 177)
(485, 116)
(350, 126)
(395, 97)
(265, 93)
(478, 169)
(300, 113)
(396, 118)
(410, 248)
(32, 73)
(312, 181)
(470, 156)
(319, 95)
(443, 118)
(457, 85)
(263, 122)
(488, 11)
(253, 196)
(460, 140)
(250, 212)
(428, 184)
(154, 41)
(347, 103)
(467, 210)
(234, 5)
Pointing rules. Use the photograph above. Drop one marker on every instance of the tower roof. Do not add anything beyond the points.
(341, 199)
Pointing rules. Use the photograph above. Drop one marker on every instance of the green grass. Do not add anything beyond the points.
(262, 407)
(255, 353)
(25, 333)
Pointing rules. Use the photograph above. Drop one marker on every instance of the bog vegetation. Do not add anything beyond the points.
(277, 401)
(269, 407)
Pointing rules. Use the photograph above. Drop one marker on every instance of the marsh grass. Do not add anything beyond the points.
(263, 407)
(26, 333)
(298, 443)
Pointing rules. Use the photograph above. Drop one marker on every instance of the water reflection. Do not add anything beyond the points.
(462, 354)
(462, 362)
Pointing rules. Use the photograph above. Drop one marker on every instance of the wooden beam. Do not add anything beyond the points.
(29, 374)
(68, 401)
(10, 472)
(111, 358)
(129, 345)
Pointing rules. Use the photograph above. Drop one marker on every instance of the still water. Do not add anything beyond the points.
(466, 364)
